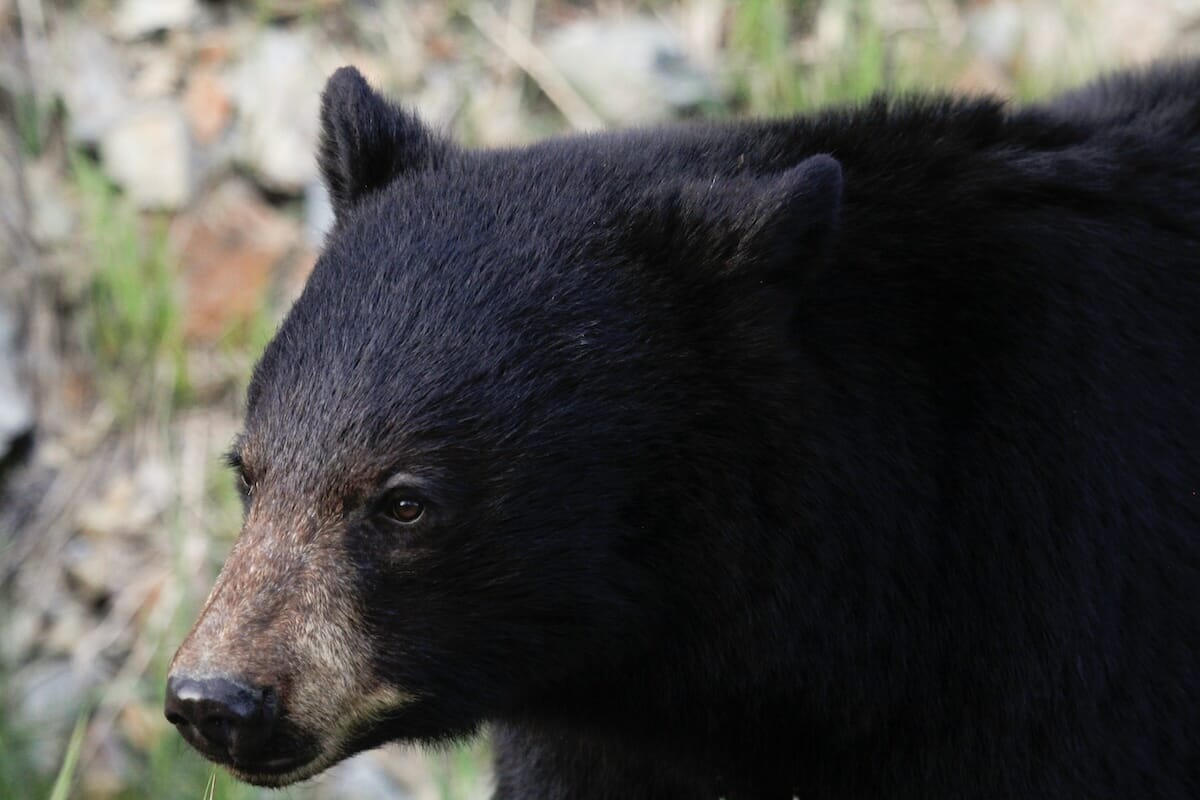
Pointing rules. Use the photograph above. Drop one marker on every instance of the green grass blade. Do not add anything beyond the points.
(66, 772)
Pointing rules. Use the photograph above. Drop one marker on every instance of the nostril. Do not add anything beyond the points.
(220, 716)
(217, 729)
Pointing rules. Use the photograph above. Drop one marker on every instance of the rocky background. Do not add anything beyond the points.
(159, 209)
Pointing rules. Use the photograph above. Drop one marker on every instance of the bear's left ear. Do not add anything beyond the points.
(789, 221)
(366, 141)
(772, 229)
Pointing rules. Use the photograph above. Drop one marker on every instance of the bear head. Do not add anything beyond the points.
(491, 457)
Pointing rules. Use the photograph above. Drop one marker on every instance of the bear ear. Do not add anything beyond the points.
(791, 223)
(767, 229)
(366, 141)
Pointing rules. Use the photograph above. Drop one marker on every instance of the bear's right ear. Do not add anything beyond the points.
(366, 141)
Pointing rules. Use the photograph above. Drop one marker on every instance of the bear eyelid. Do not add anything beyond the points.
(402, 499)
(233, 460)
(415, 482)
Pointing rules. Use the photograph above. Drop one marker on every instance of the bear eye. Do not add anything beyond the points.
(245, 485)
(404, 510)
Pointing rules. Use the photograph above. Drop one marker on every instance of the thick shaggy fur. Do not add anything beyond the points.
(847, 456)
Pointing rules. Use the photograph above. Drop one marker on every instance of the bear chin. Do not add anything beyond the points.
(297, 764)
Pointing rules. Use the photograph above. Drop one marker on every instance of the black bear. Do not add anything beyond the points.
(855, 455)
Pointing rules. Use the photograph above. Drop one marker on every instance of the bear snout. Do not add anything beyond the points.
(225, 718)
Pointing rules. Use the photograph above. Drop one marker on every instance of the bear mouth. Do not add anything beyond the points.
(301, 764)
(295, 757)
(283, 771)
(286, 760)
(298, 759)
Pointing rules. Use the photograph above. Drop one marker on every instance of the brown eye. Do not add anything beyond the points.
(405, 510)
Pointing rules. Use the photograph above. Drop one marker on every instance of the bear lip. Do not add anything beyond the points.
(281, 771)
(290, 759)
(304, 760)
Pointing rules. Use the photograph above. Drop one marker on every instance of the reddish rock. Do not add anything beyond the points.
(214, 48)
(296, 273)
(165, 181)
(207, 105)
(229, 249)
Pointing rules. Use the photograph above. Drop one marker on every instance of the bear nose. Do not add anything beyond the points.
(223, 718)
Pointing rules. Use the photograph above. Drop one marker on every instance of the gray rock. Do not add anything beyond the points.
(51, 217)
(138, 18)
(277, 91)
(157, 71)
(93, 81)
(997, 30)
(149, 154)
(441, 96)
(631, 71)
(318, 214)
(20, 633)
(16, 413)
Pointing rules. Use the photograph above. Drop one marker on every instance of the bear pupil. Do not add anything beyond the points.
(406, 510)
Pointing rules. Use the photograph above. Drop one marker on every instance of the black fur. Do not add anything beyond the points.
(848, 456)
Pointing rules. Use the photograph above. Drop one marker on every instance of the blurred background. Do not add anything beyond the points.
(160, 209)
